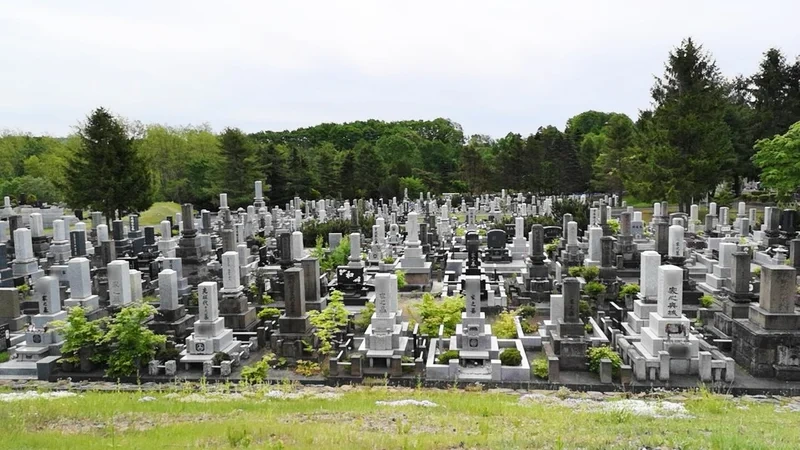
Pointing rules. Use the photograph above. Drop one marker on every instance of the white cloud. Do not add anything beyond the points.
(492, 66)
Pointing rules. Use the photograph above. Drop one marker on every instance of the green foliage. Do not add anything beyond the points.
(4, 357)
(613, 224)
(777, 158)
(594, 289)
(757, 272)
(257, 373)
(579, 211)
(267, 299)
(240, 167)
(365, 317)
(584, 309)
(24, 289)
(511, 357)
(550, 247)
(330, 321)
(445, 357)
(269, 313)
(132, 344)
(595, 354)
(504, 327)
(388, 260)
(107, 173)
(401, 278)
(541, 368)
(588, 328)
(590, 273)
(529, 328)
(446, 312)
(706, 301)
(78, 333)
(526, 311)
(629, 289)
(219, 357)
(307, 368)
(337, 257)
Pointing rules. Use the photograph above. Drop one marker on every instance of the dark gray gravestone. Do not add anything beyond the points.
(496, 239)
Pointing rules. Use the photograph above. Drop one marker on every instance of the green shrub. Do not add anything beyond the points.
(401, 279)
(168, 353)
(307, 368)
(595, 354)
(78, 333)
(365, 318)
(4, 357)
(24, 289)
(446, 312)
(757, 272)
(551, 247)
(388, 260)
(588, 328)
(269, 313)
(219, 357)
(594, 289)
(527, 311)
(132, 344)
(260, 240)
(529, 328)
(257, 372)
(541, 368)
(706, 301)
(629, 289)
(445, 357)
(576, 271)
(504, 327)
(584, 309)
(613, 224)
(330, 321)
(590, 273)
(511, 357)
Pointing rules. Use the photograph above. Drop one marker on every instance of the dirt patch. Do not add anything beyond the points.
(119, 423)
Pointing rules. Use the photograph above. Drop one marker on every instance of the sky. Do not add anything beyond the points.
(494, 67)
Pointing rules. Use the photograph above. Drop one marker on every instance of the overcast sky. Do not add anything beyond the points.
(493, 67)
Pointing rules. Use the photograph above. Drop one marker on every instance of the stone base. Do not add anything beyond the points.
(736, 310)
(15, 323)
(766, 353)
(318, 305)
(23, 268)
(566, 329)
(243, 321)
(178, 328)
(88, 304)
(572, 354)
(774, 321)
(290, 346)
(294, 325)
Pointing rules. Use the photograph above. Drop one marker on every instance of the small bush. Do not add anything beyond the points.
(256, 373)
(591, 273)
(529, 328)
(267, 299)
(4, 357)
(168, 353)
(219, 357)
(504, 327)
(307, 368)
(706, 301)
(576, 271)
(588, 328)
(511, 357)
(757, 272)
(594, 289)
(551, 247)
(613, 224)
(365, 318)
(445, 357)
(401, 279)
(541, 368)
(584, 309)
(629, 289)
(527, 311)
(388, 260)
(595, 354)
(269, 313)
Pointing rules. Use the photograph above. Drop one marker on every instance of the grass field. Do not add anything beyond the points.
(323, 418)
(158, 212)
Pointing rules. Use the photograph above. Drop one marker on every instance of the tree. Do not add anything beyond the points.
(610, 167)
(107, 173)
(779, 160)
(686, 145)
(240, 169)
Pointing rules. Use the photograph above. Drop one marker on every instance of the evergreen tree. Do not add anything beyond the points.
(240, 168)
(687, 144)
(106, 173)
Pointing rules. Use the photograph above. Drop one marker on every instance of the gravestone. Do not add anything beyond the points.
(210, 335)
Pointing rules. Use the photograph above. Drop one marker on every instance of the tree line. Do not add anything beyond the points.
(701, 129)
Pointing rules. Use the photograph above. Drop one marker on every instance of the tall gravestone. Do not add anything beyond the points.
(210, 335)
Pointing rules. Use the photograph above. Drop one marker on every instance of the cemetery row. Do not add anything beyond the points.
(236, 294)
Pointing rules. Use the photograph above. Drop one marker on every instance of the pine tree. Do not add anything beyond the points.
(240, 169)
(107, 173)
